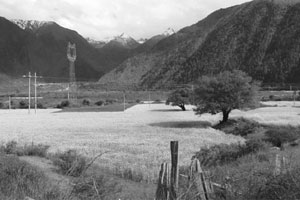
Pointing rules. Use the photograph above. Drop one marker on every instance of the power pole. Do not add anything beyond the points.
(9, 103)
(149, 98)
(29, 79)
(193, 94)
(35, 97)
(71, 55)
(124, 100)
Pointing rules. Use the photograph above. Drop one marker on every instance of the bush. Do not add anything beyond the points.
(280, 135)
(26, 150)
(241, 126)
(94, 187)
(10, 147)
(225, 153)
(1, 105)
(23, 104)
(100, 103)
(33, 150)
(86, 102)
(110, 101)
(19, 179)
(284, 186)
(157, 101)
(138, 101)
(70, 163)
(63, 104)
(40, 105)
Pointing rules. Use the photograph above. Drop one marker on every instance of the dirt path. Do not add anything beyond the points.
(47, 167)
(130, 190)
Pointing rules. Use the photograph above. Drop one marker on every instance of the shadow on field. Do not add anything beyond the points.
(183, 124)
(168, 110)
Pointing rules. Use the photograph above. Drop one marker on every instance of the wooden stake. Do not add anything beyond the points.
(174, 170)
(162, 192)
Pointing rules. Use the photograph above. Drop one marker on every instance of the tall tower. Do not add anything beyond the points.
(71, 54)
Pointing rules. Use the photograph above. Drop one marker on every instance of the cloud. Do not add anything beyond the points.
(102, 18)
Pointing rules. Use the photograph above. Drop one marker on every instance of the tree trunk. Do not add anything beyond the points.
(225, 115)
(182, 107)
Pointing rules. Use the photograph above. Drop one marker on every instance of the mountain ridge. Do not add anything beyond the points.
(258, 37)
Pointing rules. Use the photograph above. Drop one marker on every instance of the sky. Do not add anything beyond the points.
(100, 19)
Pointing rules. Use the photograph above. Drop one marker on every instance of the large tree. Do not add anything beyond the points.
(224, 92)
(179, 97)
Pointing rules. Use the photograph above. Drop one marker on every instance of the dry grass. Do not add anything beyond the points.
(135, 139)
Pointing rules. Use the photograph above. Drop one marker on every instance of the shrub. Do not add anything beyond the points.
(33, 150)
(10, 147)
(284, 186)
(23, 104)
(1, 105)
(70, 163)
(19, 179)
(278, 136)
(225, 153)
(63, 104)
(157, 101)
(26, 150)
(241, 126)
(40, 105)
(110, 101)
(100, 103)
(138, 101)
(86, 102)
(94, 187)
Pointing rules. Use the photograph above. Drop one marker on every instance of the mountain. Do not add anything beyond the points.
(32, 25)
(41, 47)
(147, 45)
(124, 41)
(259, 37)
(95, 43)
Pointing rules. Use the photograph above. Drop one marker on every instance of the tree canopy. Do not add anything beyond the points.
(225, 92)
(179, 97)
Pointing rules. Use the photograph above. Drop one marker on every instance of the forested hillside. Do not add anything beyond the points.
(261, 37)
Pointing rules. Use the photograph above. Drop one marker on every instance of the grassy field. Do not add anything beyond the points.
(137, 140)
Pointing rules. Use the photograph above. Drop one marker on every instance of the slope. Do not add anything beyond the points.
(43, 50)
(260, 37)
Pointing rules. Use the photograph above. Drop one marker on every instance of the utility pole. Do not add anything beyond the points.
(149, 98)
(35, 97)
(124, 100)
(68, 88)
(193, 94)
(9, 102)
(29, 79)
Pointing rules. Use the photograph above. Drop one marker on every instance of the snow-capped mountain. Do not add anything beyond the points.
(126, 41)
(30, 24)
(169, 32)
(95, 43)
(122, 40)
(142, 40)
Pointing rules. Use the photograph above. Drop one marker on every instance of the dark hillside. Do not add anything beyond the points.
(260, 37)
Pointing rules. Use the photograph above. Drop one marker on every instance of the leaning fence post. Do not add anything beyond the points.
(198, 180)
(162, 192)
(174, 170)
(277, 169)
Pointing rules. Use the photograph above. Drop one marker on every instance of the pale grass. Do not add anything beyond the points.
(137, 139)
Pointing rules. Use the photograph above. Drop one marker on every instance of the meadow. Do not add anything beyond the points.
(136, 141)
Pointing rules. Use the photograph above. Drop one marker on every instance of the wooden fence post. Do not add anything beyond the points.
(162, 192)
(174, 170)
(277, 169)
(198, 181)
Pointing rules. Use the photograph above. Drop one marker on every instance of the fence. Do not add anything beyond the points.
(200, 186)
